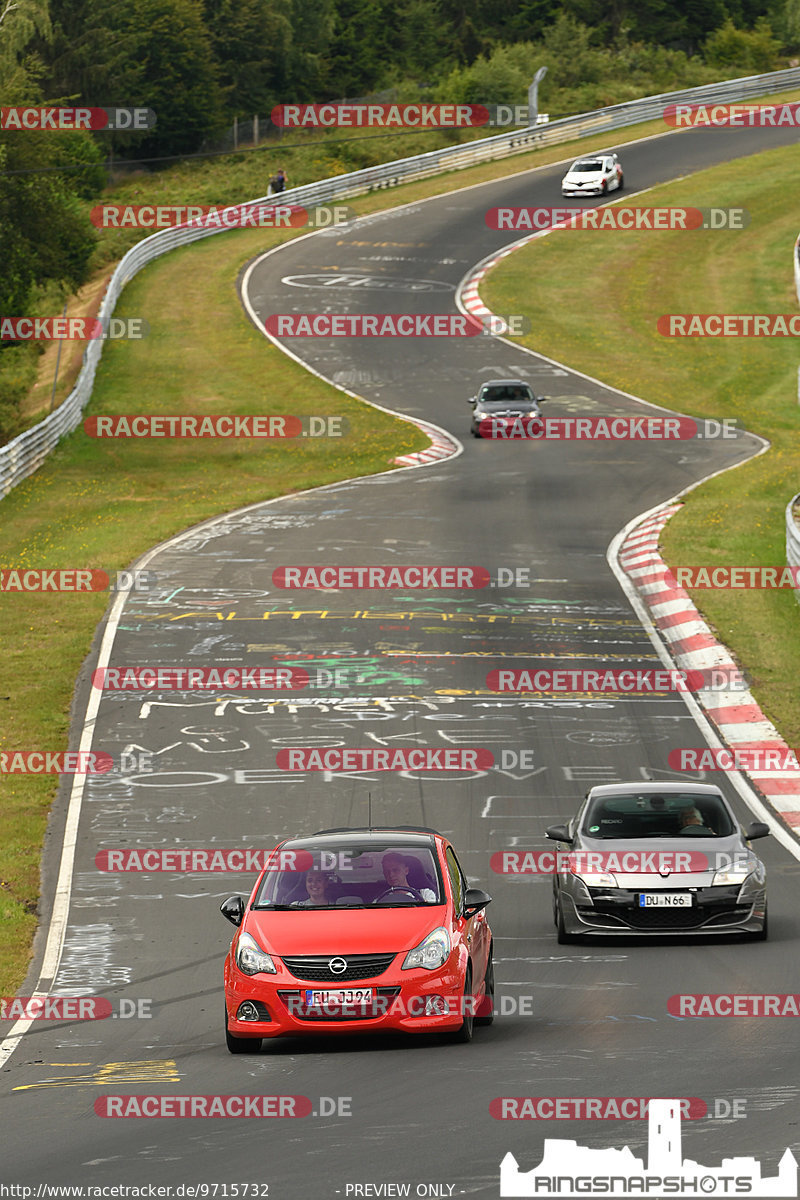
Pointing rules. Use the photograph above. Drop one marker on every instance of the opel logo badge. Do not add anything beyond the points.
(337, 966)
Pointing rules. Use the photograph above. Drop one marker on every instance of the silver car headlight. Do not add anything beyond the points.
(432, 952)
(734, 875)
(735, 872)
(251, 959)
(596, 878)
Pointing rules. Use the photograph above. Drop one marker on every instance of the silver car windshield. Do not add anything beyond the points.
(683, 815)
(507, 395)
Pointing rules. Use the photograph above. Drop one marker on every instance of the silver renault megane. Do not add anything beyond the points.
(657, 859)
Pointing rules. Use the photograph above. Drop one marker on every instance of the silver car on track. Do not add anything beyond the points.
(503, 401)
(657, 859)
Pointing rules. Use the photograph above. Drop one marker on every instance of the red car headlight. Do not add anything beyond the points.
(251, 959)
(432, 952)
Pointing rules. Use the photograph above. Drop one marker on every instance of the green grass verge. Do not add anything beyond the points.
(595, 305)
(105, 503)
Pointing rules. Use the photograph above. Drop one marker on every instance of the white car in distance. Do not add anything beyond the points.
(593, 175)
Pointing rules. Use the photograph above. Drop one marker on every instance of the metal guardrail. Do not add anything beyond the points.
(26, 453)
(793, 537)
(792, 528)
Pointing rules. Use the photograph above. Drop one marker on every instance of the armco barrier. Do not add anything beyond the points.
(28, 451)
(793, 537)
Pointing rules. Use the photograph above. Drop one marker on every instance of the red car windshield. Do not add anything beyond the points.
(353, 875)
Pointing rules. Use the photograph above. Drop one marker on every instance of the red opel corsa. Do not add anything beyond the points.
(352, 930)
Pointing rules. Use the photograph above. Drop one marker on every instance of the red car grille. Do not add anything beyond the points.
(316, 969)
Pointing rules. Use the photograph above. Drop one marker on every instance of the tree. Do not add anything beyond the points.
(745, 51)
(313, 23)
(252, 44)
(94, 57)
(358, 51)
(179, 76)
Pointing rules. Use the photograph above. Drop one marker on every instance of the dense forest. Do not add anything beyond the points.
(199, 64)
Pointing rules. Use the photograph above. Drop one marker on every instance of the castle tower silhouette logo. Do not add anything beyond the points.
(568, 1169)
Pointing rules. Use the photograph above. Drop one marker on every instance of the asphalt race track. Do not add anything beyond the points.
(574, 1021)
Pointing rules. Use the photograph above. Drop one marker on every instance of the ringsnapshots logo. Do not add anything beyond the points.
(55, 119)
(208, 216)
(72, 329)
(395, 325)
(616, 217)
(148, 425)
(568, 1169)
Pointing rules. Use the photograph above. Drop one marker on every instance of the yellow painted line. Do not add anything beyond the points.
(325, 614)
(112, 1074)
